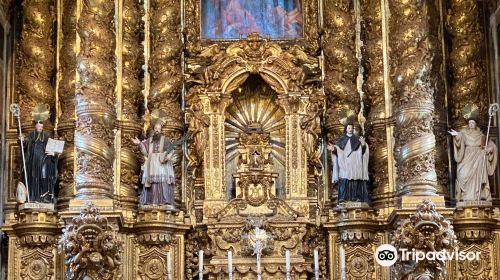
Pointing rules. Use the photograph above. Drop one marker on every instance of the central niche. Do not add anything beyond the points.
(255, 118)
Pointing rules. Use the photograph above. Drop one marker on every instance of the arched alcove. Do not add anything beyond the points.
(255, 111)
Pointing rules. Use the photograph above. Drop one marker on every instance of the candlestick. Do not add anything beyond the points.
(230, 264)
(200, 264)
(287, 265)
(169, 266)
(316, 264)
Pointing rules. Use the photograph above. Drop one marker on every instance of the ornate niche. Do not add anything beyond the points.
(255, 143)
(216, 75)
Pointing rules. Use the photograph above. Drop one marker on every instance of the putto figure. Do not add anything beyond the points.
(350, 156)
(158, 177)
(476, 157)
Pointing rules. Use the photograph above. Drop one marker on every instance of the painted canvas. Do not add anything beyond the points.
(232, 19)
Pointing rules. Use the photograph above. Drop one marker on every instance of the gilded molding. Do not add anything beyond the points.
(95, 100)
(412, 56)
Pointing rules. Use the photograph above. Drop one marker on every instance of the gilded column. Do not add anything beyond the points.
(340, 63)
(35, 59)
(440, 100)
(466, 58)
(131, 99)
(95, 100)
(66, 97)
(165, 69)
(373, 87)
(412, 56)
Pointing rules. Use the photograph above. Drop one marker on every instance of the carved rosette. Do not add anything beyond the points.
(165, 69)
(425, 231)
(412, 56)
(341, 64)
(35, 60)
(132, 99)
(91, 246)
(467, 58)
(95, 101)
(66, 124)
(373, 87)
(154, 248)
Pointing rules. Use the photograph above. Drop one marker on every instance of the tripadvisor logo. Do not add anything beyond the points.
(387, 255)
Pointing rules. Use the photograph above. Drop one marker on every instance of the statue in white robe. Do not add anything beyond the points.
(475, 163)
(350, 155)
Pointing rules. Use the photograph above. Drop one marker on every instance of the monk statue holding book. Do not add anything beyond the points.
(40, 162)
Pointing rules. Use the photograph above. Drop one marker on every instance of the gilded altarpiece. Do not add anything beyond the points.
(257, 102)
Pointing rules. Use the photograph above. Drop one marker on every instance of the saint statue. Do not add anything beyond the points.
(41, 165)
(350, 156)
(158, 177)
(476, 161)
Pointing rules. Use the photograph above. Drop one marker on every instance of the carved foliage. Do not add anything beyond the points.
(91, 247)
(197, 239)
(413, 48)
(425, 231)
(37, 263)
(466, 57)
(95, 99)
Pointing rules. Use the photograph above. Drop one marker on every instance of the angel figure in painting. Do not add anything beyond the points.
(158, 177)
(476, 157)
(350, 155)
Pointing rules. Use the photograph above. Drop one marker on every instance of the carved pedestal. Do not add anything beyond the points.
(352, 241)
(31, 244)
(159, 244)
(474, 225)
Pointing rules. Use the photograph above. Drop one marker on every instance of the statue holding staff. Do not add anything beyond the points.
(476, 156)
(350, 155)
(40, 163)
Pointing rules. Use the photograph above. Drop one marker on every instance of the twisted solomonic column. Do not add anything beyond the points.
(467, 59)
(131, 100)
(165, 71)
(340, 64)
(95, 100)
(35, 60)
(66, 91)
(413, 52)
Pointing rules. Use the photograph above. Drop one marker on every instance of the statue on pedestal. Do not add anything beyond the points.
(476, 157)
(40, 161)
(350, 155)
(158, 177)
